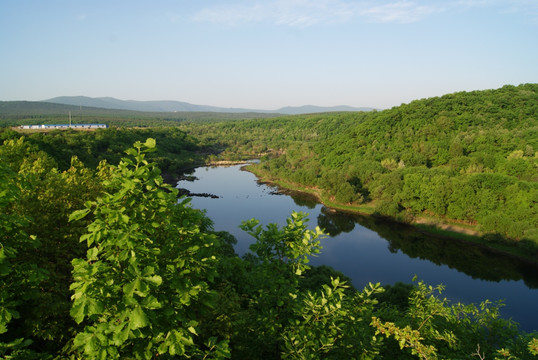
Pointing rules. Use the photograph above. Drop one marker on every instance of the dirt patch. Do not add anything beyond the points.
(447, 227)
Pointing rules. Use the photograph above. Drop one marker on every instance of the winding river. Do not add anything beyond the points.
(372, 250)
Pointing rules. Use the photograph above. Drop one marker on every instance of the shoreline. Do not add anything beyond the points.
(226, 162)
(426, 225)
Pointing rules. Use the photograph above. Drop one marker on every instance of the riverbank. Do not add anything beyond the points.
(431, 225)
(226, 162)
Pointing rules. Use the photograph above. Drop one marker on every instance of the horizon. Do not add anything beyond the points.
(257, 110)
(169, 100)
(266, 55)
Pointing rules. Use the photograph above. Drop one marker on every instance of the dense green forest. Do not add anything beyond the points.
(177, 151)
(104, 262)
(469, 158)
(100, 259)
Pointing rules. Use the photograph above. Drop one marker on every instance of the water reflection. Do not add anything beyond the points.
(472, 259)
(331, 221)
(302, 199)
(335, 223)
(369, 249)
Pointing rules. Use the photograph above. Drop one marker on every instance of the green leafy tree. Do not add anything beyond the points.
(288, 248)
(331, 324)
(19, 278)
(440, 143)
(45, 197)
(271, 274)
(142, 290)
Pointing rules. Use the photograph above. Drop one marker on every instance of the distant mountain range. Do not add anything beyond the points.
(179, 106)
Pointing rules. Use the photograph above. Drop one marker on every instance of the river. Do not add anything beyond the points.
(372, 250)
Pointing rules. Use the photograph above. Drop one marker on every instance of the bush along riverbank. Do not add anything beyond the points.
(427, 223)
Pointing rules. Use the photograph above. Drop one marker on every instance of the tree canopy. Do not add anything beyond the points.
(100, 259)
(469, 157)
(106, 263)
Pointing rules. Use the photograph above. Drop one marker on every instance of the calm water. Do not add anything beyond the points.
(371, 250)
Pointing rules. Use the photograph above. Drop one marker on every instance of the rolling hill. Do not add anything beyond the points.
(179, 106)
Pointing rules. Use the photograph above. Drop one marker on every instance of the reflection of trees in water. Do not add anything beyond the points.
(334, 223)
(471, 259)
(302, 199)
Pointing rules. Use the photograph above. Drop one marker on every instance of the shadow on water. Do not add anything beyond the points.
(334, 223)
(474, 260)
(301, 199)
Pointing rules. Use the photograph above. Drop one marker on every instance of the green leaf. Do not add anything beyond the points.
(5, 317)
(94, 307)
(92, 253)
(136, 286)
(151, 302)
(121, 334)
(150, 143)
(79, 214)
(131, 152)
(79, 311)
(138, 318)
(155, 280)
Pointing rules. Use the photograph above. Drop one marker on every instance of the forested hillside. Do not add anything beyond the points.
(470, 157)
(177, 151)
(105, 263)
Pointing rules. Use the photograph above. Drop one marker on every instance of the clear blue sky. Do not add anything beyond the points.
(265, 54)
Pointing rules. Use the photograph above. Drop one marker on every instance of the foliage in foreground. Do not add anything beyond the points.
(150, 279)
(143, 287)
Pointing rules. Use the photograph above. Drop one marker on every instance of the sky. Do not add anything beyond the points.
(265, 54)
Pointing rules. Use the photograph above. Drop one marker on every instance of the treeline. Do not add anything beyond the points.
(16, 113)
(177, 151)
(106, 263)
(470, 157)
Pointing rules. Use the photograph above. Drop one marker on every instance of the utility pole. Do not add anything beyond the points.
(70, 119)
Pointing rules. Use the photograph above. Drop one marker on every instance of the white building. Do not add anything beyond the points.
(65, 126)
